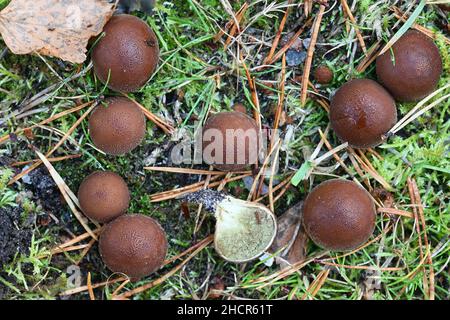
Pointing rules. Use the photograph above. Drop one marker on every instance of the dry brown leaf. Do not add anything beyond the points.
(53, 28)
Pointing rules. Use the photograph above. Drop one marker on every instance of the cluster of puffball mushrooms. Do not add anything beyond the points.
(337, 215)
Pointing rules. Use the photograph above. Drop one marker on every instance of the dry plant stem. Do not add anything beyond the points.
(280, 98)
(421, 228)
(370, 171)
(228, 25)
(403, 17)
(282, 184)
(167, 128)
(397, 212)
(417, 111)
(192, 171)
(156, 282)
(353, 20)
(89, 285)
(235, 27)
(69, 249)
(60, 183)
(369, 58)
(289, 44)
(309, 57)
(276, 40)
(60, 142)
(76, 239)
(119, 288)
(94, 286)
(361, 267)
(255, 99)
(272, 174)
(335, 155)
(85, 251)
(268, 280)
(253, 189)
(189, 189)
(56, 116)
(315, 286)
(57, 159)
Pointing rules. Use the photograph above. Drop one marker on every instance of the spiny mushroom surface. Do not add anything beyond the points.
(339, 215)
(361, 112)
(127, 55)
(117, 126)
(323, 74)
(231, 141)
(133, 244)
(412, 68)
(103, 196)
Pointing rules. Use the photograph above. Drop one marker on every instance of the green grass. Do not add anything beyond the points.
(209, 78)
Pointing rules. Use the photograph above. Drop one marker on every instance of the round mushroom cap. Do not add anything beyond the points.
(230, 141)
(339, 215)
(323, 74)
(117, 126)
(414, 70)
(127, 55)
(103, 196)
(239, 107)
(362, 112)
(133, 244)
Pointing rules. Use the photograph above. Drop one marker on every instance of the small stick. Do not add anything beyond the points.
(167, 128)
(403, 17)
(56, 116)
(361, 267)
(60, 142)
(291, 41)
(280, 98)
(278, 35)
(60, 183)
(89, 285)
(57, 159)
(309, 57)
(398, 212)
(235, 27)
(353, 20)
(191, 171)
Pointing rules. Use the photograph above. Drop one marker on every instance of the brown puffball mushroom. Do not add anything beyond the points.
(339, 215)
(323, 74)
(133, 244)
(103, 196)
(127, 55)
(230, 141)
(411, 69)
(239, 107)
(362, 112)
(117, 126)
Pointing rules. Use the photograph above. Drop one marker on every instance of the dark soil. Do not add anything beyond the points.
(15, 237)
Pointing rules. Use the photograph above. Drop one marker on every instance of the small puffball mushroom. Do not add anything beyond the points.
(231, 141)
(411, 69)
(362, 112)
(323, 74)
(127, 55)
(103, 196)
(239, 107)
(117, 126)
(339, 215)
(133, 244)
